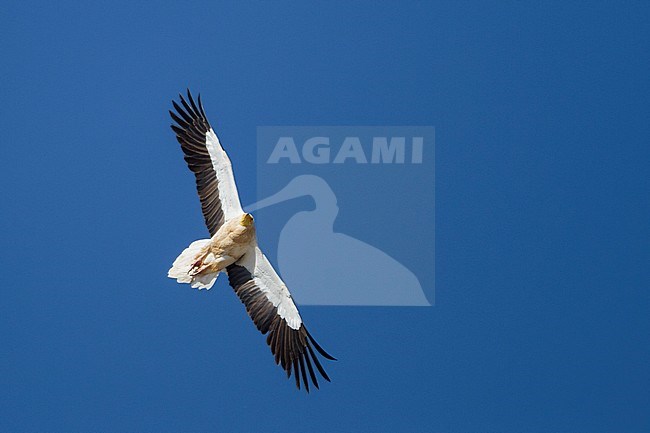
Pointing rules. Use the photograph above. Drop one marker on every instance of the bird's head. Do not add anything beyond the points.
(246, 220)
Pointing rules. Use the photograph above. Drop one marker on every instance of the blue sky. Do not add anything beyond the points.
(541, 116)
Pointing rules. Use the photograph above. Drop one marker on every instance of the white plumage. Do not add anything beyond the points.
(233, 249)
(180, 270)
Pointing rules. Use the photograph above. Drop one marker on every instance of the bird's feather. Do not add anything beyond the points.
(269, 303)
(205, 156)
(266, 297)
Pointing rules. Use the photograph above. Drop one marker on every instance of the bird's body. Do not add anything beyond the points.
(211, 256)
(232, 248)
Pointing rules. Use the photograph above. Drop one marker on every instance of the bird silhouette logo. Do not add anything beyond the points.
(324, 267)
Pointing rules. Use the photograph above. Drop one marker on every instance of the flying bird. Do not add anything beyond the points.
(232, 249)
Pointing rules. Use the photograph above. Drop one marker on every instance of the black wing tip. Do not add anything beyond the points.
(302, 364)
(318, 348)
(201, 106)
(189, 95)
(291, 348)
(303, 373)
(192, 110)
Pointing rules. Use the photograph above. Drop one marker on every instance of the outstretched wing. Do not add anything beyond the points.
(209, 162)
(269, 304)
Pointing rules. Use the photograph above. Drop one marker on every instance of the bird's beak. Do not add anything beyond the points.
(246, 220)
(292, 190)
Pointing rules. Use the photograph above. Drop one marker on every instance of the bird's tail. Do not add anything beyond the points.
(182, 267)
